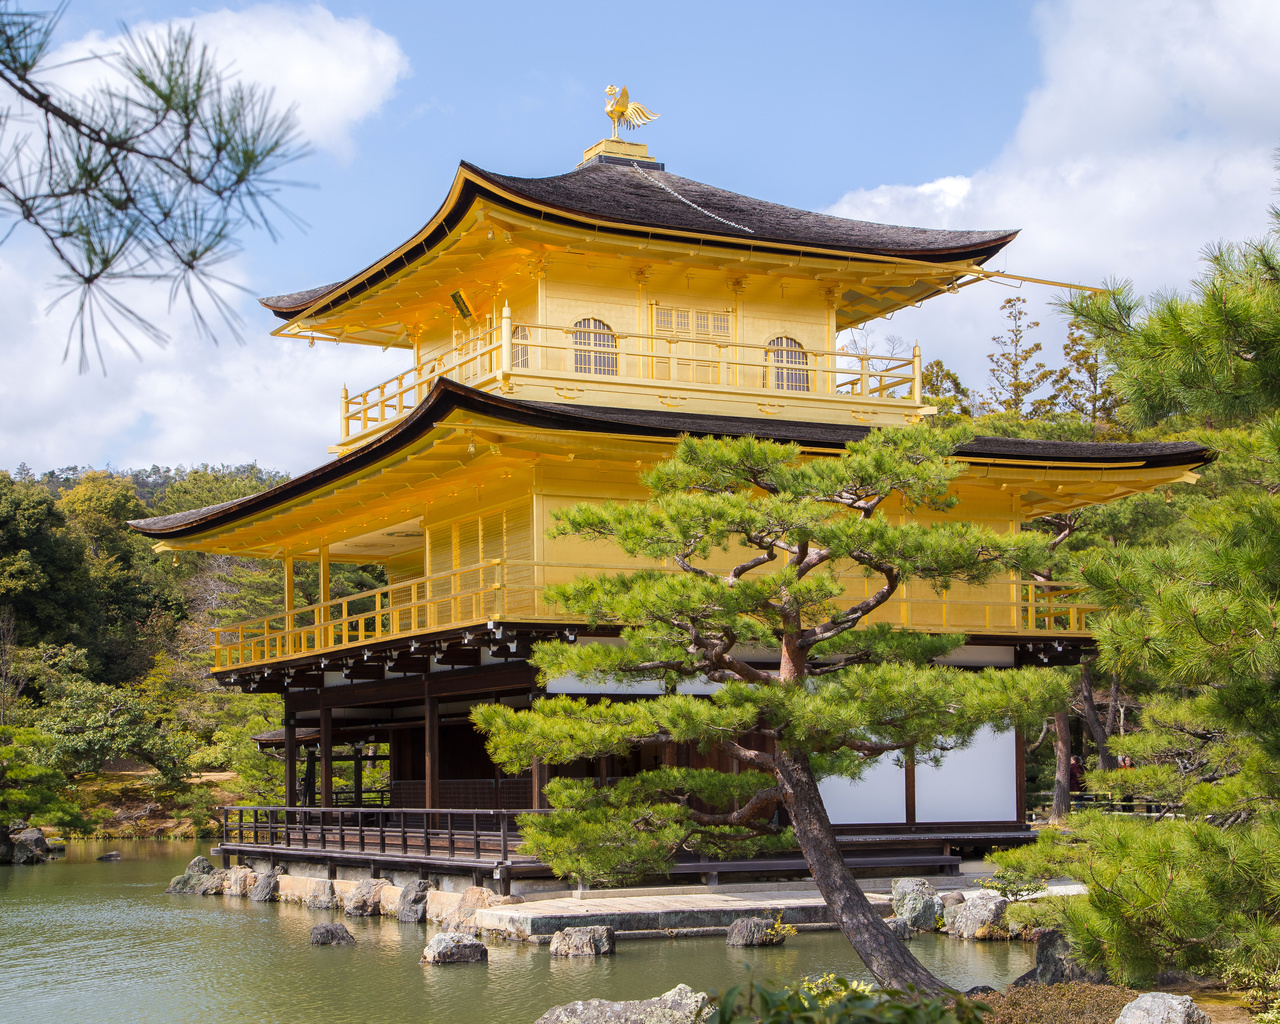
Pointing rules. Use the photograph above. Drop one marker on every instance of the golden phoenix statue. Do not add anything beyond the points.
(621, 110)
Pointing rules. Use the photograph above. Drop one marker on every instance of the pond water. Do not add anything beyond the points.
(87, 942)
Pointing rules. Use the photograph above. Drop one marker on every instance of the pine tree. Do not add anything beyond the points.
(943, 388)
(761, 538)
(1015, 378)
(1083, 385)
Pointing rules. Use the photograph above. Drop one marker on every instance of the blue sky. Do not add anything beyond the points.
(1120, 137)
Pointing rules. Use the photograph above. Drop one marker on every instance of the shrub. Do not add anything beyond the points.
(1073, 1003)
(833, 1000)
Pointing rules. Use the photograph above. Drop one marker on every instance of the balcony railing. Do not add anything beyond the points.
(578, 357)
(513, 591)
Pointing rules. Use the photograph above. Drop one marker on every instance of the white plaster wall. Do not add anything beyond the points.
(978, 783)
(879, 797)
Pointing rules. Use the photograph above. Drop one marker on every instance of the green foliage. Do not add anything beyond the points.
(1083, 386)
(1182, 895)
(1013, 885)
(835, 1000)
(943, 389)
(29, 788)
(1076, 1002)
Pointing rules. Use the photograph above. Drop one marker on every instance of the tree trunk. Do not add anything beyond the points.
(1106, 760)
(884, 954)
(1062, 774)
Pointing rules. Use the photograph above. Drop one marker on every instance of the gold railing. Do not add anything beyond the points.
(564, 354)
(513, 591)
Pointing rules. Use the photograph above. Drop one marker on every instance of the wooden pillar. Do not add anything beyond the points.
(541, 775)
(1020, 768)
(323, 637)
(357, 772)
(910, 782)
(290, 760)
(326, 757)
(432, 725)
(287, 644)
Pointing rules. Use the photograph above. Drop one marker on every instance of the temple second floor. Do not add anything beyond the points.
(455, 503)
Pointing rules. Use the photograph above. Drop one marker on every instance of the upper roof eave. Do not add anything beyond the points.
(470, 180)
(447, 396)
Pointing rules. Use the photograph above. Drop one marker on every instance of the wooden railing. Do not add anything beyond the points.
(510, 349)
(466, 835)
(513, 591)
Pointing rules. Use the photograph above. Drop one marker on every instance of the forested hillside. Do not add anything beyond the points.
(104, 646)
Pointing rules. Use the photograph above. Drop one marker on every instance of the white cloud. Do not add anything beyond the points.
(270, 400)
(336, 71)
(1152, 135)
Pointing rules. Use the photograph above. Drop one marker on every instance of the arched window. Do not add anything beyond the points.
(595, 348)
(786, 362)
(519, 348)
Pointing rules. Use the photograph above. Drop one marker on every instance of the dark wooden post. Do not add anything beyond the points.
(357, 772)
(910, 784)
(1020, 767)
(541, 775)
(326, 757)
(290, 760)
(432, 726)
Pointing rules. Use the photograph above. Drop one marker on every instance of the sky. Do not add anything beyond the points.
(1121, 138)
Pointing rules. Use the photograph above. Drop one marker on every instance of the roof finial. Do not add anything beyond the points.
(621, 109)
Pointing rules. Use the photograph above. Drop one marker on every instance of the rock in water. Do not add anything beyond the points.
(454, 948)
(411, 907)
(682, 1005)
(593, 941)
(264, 890)
(321, 896)
(113, 855)
(474, 898)
(900, 927)
(902, 887)
(240, 881)
(365, 901)
(200, 879)
(980, 917)
(29, 847)
(952, 899)
(334, 934)
(1054, 965)
(1162, 1008)
(753, 931)
(917, 903)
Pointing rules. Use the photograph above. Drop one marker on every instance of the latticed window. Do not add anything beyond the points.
(460, 560)
(595, 348)
(519, 348)
(691, 323)
(787, 365)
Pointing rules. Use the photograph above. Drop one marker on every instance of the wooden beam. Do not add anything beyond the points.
(431, 723)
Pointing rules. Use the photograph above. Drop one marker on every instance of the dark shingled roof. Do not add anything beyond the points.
(446, 396)
(652, 198)
(654, 201)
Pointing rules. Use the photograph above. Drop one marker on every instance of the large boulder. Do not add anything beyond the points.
(980, 917)
(411, 907)
(952, 899)
(113, 855)
(754, 931)
(321, 895)
(682, 1005)
(1162, 1008)
(462, 918)
(592, 941)
(265, 888)
(454, 948)
(917, 903)
(29, 847)
(200, 879)
(1054, 965)
(333, 934)
(366, 900)
(240, 881)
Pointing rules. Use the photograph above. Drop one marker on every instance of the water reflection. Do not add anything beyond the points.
(96, 941)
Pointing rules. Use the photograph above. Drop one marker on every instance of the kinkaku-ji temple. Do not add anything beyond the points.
(558, 335)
